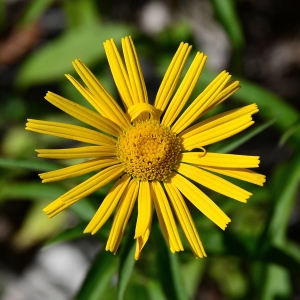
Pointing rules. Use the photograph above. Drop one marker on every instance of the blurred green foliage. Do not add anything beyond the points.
(253, 259)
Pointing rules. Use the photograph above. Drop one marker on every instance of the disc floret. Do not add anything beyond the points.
(148, 150)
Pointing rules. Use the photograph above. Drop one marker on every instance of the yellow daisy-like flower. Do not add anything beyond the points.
(146, 148)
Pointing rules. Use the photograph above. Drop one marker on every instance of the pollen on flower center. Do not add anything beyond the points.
(148, 150)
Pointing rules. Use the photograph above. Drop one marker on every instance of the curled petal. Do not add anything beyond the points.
(135, 110)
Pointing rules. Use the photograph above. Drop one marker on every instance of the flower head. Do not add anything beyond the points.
(146, 149)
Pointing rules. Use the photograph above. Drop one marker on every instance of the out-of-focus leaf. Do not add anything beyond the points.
(173, 35)
(80, 12)
(34, 11)
(169, 269)
(35, 165)
(53, 60)
(67, 235)
(154, 290)
(269, 105)
(192, 274)
(36, 191)
(83, 209)
(294, 129)
(286, 184)
(227, 146)
(127, 261)
(98, 279)
(17, 142)
(246, 247)
(277, 284)
(136, 291)
(30, 190)
(281, 257)
(227, 15)
(36, 227)
(237, 245)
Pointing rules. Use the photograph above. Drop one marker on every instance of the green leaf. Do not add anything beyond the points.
(244, 247)
(226, 13)
(53, 60)
(127, 261)
(281, 257)
(277, 284)
(35, 165)
(30, 190)
(286, 184)
(136, 291)
(80, 12)
(83, 209)
(34, 11)
(236, 141)
(169, 269)
(67, 235)
(126, 267)
(36, 227)
(154, 290)
(193, 272)
(98, 279)
(294, 129)
(270, 105)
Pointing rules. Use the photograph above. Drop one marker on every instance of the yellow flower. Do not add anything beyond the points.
(146, 148)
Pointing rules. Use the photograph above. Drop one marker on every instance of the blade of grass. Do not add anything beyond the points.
(35, 165)
(34, 11)
(169, 269)
(233, 143)
(286, 181)
(98, 279)
(127, 261)
(227, 15)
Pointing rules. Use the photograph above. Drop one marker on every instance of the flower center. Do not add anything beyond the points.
(148, 150)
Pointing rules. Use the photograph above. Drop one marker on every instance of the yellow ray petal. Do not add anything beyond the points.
(193, 112)
(69, 131)
(80, 152)
(122, 215)
(84, 114)
(110, 108)
(141, 241)
(229, 89)
(134, 70)
(200, 200)
(165, 217)
(219, 119)
(140, 108)
(84, 189)
(242, 174)
(144, 209)
(78, 170)
(172, 76)
(185, 89)
(88, 95)
(119, 73)
(185, 219)
(219, 160)
(217, 133)
(108, 205)
(56, 207)
(94, 183)
(214, 182)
